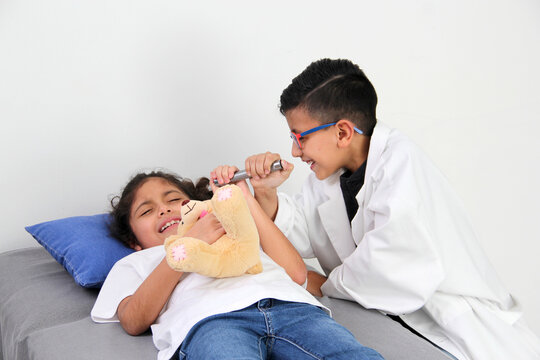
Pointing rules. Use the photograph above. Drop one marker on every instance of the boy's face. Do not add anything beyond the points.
(155, 212)
(319, 149)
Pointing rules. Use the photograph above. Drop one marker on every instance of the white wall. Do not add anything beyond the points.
(91, 91)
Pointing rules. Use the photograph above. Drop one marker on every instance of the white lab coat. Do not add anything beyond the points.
(409, 251)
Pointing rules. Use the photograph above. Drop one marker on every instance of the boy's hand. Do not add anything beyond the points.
(258, 167)
(264, 182)
(207, 229)
(315, 281)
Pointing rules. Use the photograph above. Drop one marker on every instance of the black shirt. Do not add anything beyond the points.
(351, 183)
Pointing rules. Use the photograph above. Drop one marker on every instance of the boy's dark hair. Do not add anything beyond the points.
(121, 205)
(330, 90)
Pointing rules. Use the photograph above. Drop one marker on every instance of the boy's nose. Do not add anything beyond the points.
(295, 150)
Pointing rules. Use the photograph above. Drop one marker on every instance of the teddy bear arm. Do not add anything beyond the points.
(189, 254)
(171, 240)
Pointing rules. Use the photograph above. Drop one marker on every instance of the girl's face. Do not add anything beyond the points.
(155, 212)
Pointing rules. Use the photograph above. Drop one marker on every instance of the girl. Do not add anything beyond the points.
(261, 316)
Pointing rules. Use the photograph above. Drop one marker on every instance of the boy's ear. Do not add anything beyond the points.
(345, 132)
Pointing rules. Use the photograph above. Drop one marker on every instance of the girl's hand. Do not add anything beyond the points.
(223, 174)
(258, 167)
(207, 229)
(225, 168)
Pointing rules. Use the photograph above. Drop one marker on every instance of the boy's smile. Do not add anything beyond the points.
(318, 148)
(328, 149)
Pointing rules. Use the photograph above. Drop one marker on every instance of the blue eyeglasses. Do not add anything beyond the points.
(297, 138)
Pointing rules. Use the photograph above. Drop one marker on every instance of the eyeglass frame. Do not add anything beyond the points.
(296, 137)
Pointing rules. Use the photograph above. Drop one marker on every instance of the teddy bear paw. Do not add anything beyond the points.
(178, 252)
(224, 193)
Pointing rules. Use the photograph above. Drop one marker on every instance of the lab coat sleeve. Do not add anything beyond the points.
(291, 220)
(395, 267)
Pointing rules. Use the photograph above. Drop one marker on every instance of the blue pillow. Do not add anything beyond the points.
(82, 245)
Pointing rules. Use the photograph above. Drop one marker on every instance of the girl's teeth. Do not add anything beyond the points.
(169, 224)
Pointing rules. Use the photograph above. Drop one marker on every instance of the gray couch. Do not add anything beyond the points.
(45, 315)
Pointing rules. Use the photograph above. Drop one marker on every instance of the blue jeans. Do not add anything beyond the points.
(272, 329)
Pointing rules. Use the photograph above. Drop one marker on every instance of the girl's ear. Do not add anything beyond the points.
(345, 132)
(135, 246)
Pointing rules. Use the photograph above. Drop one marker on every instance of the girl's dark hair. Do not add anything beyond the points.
(121, 205)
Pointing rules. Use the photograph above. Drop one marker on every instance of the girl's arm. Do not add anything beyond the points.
(276, 245)
(273, 242)
(140, 310)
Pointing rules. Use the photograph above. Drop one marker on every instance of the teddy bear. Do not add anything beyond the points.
(233, 254)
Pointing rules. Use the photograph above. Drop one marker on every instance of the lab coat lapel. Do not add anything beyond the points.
(334, 218)
(357, 223)
(376, 147)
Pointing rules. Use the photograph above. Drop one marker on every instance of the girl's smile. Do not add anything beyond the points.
(168, 225)
(156, 212)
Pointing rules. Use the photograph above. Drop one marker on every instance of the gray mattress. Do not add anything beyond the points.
(45, 315)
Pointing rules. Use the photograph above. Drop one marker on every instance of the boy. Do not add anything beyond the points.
(383, 222)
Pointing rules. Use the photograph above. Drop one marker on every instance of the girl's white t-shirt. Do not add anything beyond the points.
(195, 297)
